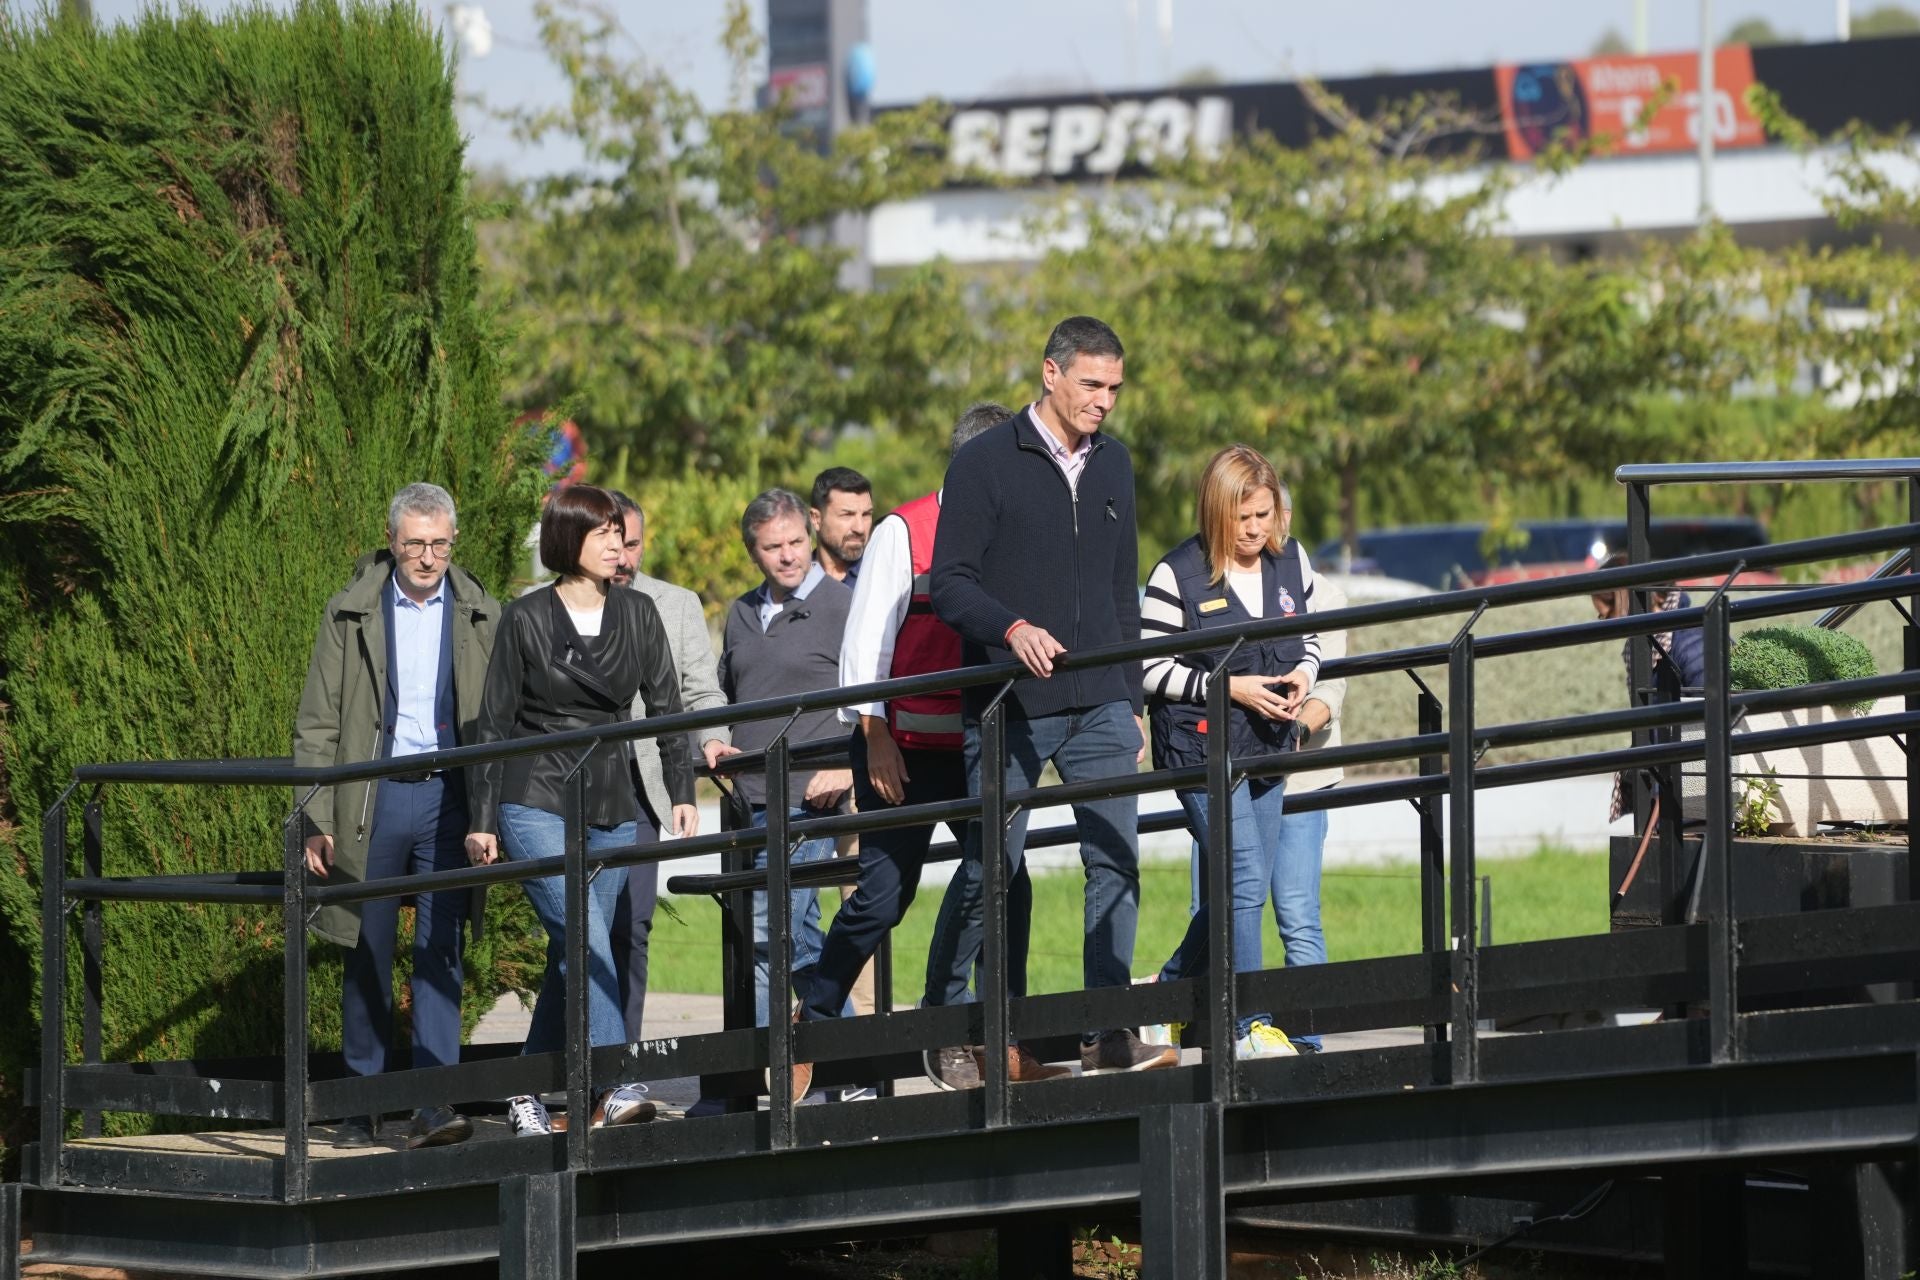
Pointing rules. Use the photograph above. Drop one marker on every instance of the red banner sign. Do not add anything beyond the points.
(1608, 97)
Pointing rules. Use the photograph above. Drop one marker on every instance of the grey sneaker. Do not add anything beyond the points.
(952, 1067)
(1122, 1050)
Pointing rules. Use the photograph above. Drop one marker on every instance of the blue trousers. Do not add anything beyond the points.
(1294, 889)
(632, 928)
(1257, 809)
(417, 827)
(526, 832)
(803, 922)
(890, 866)
(1099, 742)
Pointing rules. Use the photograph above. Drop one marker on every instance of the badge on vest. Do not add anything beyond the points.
(1215, 606)
(1286, 601)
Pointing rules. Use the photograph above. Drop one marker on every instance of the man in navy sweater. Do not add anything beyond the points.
(1035, 555)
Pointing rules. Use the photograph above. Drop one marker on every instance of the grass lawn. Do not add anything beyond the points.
(1366, 912)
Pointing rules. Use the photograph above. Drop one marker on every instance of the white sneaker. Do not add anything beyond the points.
(1263, 1040)
(1162, 1033)
(527, 1115)
(623, 1104)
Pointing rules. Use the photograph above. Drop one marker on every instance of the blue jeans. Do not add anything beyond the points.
(1296, 890)
(525, 833)
(804, 922)
(1257, 808)
(1100, 742)
(959, 930)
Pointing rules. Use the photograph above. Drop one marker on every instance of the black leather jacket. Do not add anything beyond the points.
(544, 677)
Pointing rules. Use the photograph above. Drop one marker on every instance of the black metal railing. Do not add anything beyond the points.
(1446, 749)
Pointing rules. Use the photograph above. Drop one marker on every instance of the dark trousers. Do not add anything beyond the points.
(417, 827)
(890, 865)
(633, 927)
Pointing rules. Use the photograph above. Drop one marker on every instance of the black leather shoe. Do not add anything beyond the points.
(440, 1126)
(355, 1131)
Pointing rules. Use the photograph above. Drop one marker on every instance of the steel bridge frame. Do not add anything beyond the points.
(1693, 1100)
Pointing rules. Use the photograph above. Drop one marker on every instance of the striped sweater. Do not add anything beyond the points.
(1162, 614)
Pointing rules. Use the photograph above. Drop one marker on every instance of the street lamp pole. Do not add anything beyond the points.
(1706, 112)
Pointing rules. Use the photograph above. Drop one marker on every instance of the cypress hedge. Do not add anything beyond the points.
(237, 312)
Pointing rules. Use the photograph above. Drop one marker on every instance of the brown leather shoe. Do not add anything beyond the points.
(1022, 1066)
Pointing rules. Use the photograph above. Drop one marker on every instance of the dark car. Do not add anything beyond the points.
(1448, 556)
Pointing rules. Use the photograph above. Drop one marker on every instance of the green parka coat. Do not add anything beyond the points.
(340, 714)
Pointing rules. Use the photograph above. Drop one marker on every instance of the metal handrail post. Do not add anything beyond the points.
(293, 906)
(1223, 1076)
(53, 989)
(1464, 1011)
(578, 979)
(779, 950)
(993, 906)
(1716, 864)
(92, 945)
(1433, 850)
(1910, 654)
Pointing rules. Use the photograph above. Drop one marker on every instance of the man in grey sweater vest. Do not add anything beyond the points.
(783, 638)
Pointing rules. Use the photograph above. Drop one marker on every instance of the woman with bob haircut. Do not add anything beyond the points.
(1239, 567)
(571, 655)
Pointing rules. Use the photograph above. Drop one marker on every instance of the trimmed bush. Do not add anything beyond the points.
(1786, 657)
(237, 312)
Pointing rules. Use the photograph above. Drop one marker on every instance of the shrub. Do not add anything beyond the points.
(1784, 657)
(237, 312)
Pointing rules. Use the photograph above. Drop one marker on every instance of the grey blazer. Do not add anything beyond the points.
(691, 645)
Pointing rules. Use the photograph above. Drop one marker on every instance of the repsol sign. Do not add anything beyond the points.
(1085, 139)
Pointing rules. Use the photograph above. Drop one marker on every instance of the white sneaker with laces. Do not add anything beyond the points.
(623, 1104)
(527, 1115)
(1263, 1040)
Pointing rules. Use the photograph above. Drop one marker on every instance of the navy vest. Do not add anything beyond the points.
(1180, 729)
(444, 713)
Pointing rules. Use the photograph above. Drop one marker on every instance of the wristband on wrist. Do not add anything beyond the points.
(1007, 639)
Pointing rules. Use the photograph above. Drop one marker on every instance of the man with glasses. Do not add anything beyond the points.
(398, 668)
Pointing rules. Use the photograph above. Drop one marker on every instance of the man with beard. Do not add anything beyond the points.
(842, 518)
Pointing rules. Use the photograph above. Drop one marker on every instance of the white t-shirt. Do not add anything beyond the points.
(586, 621)
(1246, 584)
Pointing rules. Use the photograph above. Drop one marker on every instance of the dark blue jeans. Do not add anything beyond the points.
(1099, 742)
(417, 827)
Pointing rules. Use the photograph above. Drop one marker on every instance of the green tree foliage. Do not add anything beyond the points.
(1353, 309)
(1757, 31)
(680, 292)
(1886, 20)
(237, 311)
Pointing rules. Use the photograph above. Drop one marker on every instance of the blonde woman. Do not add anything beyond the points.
(1239, 567)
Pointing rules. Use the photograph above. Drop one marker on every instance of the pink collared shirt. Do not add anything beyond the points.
(1071, 462)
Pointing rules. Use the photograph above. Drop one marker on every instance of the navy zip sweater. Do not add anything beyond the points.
(1014, 542)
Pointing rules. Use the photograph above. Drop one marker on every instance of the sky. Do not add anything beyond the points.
(989, 48)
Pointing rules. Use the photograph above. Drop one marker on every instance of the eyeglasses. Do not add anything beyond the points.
(414, 548)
